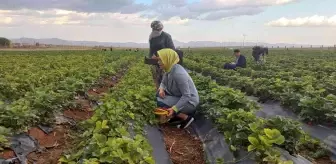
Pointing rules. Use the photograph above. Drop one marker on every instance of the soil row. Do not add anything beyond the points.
(182, 145)
(53, 143)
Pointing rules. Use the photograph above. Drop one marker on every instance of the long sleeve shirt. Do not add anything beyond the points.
(241, 61)
(163, 41)
(178, 83)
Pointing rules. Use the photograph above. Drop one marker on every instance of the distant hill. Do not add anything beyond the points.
(57, 41)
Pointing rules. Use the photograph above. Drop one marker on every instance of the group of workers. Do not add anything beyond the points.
(258, 54)
(176, 91)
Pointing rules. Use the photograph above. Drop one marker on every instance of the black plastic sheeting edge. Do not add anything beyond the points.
(22, 145)
(323, 133)
(213, 141)
(155, 139)
(215, 146)
(271, 109)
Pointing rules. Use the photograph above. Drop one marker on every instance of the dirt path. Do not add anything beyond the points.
(54, 143)
(182, 146)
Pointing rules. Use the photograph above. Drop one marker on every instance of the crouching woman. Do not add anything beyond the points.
(177, 91)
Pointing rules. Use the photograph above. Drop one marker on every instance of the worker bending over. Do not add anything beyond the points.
(258, 52)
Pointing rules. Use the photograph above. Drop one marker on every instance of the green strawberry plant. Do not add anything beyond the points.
(262, 141)
(38, 83)
(106, 137)
(233, 115)
(266, 84)
(288, 128)
(4, 132)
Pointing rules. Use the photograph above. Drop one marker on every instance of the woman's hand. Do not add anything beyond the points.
(162, 93)
(170, 112)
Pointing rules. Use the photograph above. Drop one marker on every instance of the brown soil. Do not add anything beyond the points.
(58, 140)
(105, 84)
(78, 115)
(84, 103)
(53, 139)
(52, 144)
(183, 147)
(98, 91)
(324, 160)
(108, 82)
(92, 92)
(7, 154)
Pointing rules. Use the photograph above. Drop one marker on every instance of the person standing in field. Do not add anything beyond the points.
(240, 61)
(158, 39)
(177, 91)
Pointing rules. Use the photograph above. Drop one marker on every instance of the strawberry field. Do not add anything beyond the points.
(96, 107)
(304, 81)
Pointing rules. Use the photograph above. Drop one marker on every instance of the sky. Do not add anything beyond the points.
(271, 21)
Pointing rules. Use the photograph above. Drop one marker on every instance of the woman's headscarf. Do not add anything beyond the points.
(157, 28)
(169, 58)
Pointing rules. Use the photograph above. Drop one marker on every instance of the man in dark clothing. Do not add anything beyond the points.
(158, 40)
(180, 54)
(257, 52)
(240, 61)
(265, 52)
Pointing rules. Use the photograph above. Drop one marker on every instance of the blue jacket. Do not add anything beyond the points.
(241, 61)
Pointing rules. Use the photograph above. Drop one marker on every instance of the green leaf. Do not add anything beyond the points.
(287, 162)
(91, 161)
(122, 131)
(251, 148)
(104, 150)
(149, 160)
(265, 141)
(233, 148)
(272, 133)
(98, 126)
(253, 141)
(108, 159)
(63, 159)
(253, 127)
(111, 142)
(100, 139)
(280, 140)
(104, 124)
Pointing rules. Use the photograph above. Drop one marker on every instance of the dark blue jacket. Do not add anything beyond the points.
(241, 61)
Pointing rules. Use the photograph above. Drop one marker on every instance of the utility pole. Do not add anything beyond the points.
(244, 35)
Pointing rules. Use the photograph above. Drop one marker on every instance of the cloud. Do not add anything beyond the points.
(6, 20)
(65, 17)
(128, 6)
(158, 9)
(176, 3)
(231, 13)
(177, 21)
(313, 21)
(215, 5)
(212, 9)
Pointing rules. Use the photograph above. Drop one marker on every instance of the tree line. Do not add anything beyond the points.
(4, 42)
